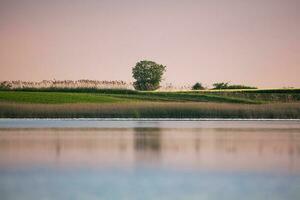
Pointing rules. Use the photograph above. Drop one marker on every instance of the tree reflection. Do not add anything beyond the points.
(147, 143)
(213, 149)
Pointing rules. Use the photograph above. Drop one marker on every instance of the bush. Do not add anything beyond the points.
(218, 86)
(5, 86)
(197, 86)
(240, 87)
(148, 75)
(222, 85)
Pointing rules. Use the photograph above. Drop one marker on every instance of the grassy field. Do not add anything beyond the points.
(266, 95)
(113, 97)
(70, 103)
(56, 97)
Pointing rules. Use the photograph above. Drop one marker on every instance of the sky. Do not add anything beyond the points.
(251, 42)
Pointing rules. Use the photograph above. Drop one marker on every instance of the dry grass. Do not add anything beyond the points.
(151, 110)
(83, 83)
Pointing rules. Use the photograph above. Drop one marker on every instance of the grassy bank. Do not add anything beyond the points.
(127, 103)
(56, 97)
(151, 110)
(114, 97)
(265, 95)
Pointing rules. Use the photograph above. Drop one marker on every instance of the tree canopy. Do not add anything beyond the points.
(148, 75)
(197, 86)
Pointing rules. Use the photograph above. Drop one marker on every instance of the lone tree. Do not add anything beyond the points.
(197, 86)
(148, 75)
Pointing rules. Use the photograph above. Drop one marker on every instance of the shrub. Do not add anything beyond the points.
(222, 85)
(197, 86)
(148, 75)
(5, 85)
(240, 87)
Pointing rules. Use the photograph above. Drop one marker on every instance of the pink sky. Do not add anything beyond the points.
(253, 42)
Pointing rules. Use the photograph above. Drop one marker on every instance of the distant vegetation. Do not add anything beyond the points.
(4, 86)
(198, 86)
(148, 75)
(66, 84)
(75, 90)
(83, 102)
(224, 86)
(92, 98)
(118, 86)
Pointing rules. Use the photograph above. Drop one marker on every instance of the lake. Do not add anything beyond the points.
(149, 159)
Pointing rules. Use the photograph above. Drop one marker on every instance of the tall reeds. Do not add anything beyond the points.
(151, 110)
(83, 83)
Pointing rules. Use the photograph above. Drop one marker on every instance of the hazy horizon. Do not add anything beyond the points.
(245, 42)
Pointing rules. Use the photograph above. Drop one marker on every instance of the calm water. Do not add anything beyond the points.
(134, 160)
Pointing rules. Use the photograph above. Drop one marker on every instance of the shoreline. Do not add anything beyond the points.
(174, 124)
(152, 110)
(152, 119)
(125, 104)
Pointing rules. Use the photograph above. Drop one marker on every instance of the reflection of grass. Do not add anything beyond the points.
(151, 110)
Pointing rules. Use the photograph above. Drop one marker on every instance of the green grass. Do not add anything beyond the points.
(69, 97)
(265, 95)
(270, 90)
(118, 103)
(184, 97)
(56, 97)
(92, 95)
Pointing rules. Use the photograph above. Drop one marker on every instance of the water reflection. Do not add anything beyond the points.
(147, 145)
(201, 149)
(150, 163)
